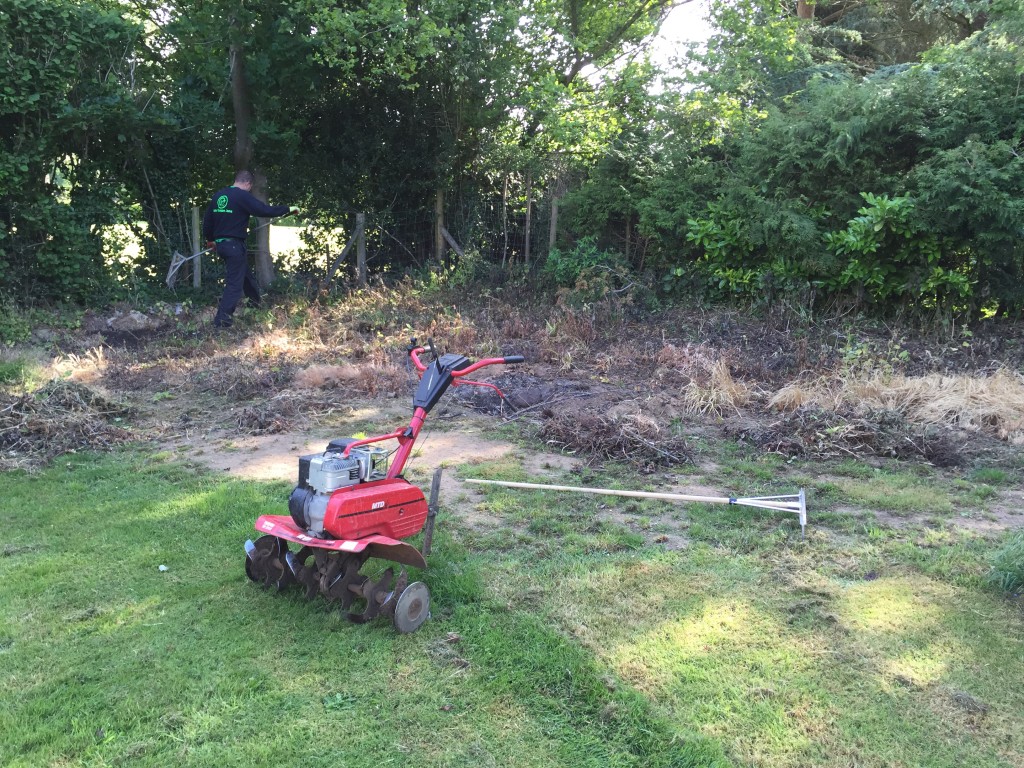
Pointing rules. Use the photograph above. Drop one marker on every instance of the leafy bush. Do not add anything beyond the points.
(11, 371)
(66, 117)
(566, 266)
(1007, 572)
(889, 254)
(902, 190)
(747, 251)
(15, 327)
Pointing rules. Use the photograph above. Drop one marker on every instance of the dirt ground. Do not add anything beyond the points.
(653, 392)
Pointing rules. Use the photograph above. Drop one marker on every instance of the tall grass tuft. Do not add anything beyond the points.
(993, 404)
(721, 393)
(1008, 565)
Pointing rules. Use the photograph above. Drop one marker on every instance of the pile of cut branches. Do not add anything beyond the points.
(632, 437)
(810, 431)
(61, 417)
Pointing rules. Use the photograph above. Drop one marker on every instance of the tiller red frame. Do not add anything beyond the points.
(350, 506)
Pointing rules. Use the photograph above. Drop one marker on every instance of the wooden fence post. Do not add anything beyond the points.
(197, 262)
(529, 211)
(358, 240)
(438, 226)
(361, 248)
(451, 241)
(504, 221)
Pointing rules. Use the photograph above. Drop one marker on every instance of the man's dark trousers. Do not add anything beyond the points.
(238, 279)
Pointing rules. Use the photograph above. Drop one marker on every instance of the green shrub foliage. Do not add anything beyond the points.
(870, 159)
(897, 190)
(66, 119)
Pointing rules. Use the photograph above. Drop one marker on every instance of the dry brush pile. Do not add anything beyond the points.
(61, 417)
(868, 411)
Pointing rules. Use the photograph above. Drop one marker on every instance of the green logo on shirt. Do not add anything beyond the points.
(222, 204)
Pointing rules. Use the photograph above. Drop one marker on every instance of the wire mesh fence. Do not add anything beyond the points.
(492, 227)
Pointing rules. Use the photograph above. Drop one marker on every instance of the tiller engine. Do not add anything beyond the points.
(350, 506)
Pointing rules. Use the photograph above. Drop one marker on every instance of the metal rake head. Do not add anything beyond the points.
(172, 272)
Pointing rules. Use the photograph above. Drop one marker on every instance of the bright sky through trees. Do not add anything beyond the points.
(687, 23)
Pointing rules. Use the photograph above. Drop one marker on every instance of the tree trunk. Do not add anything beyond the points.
(805, 10)
(197, 262)
(241, 103)
(629, 234)
(264, 264)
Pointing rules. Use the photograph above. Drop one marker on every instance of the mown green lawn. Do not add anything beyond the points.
(555, 639)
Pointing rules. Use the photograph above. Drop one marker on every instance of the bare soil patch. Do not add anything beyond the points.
(275, 457)
(605, 384)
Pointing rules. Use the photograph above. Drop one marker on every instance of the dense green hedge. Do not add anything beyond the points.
(900, 190)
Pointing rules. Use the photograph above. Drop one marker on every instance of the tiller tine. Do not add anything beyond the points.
(305, 575)
(379, 595)
(265, 562)
(347, 583)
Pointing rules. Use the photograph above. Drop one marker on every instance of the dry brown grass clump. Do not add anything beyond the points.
(719, 393)
(990, 404)
(365, 378)
(86, 368)
(993, 404)
(631, 437)
(321, 376)
(274, 344)
(235, 379)
(518, 327)
(454, 333)
(61, 417)
(576, 326)
(812, 431)
(688, 359)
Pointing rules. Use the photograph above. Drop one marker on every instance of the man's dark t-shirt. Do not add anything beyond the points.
(228, 213)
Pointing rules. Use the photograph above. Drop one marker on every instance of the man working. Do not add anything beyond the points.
(225, 227)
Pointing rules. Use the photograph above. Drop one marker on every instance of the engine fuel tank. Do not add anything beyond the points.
(395, 508)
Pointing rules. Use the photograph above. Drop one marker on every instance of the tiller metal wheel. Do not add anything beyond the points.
(412, 607)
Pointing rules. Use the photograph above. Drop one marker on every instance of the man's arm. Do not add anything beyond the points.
(255, 207)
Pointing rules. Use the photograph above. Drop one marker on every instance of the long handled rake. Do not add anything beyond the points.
(793, 502)
(177, 260)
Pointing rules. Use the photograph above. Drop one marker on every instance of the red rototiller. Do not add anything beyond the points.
(350, 506)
